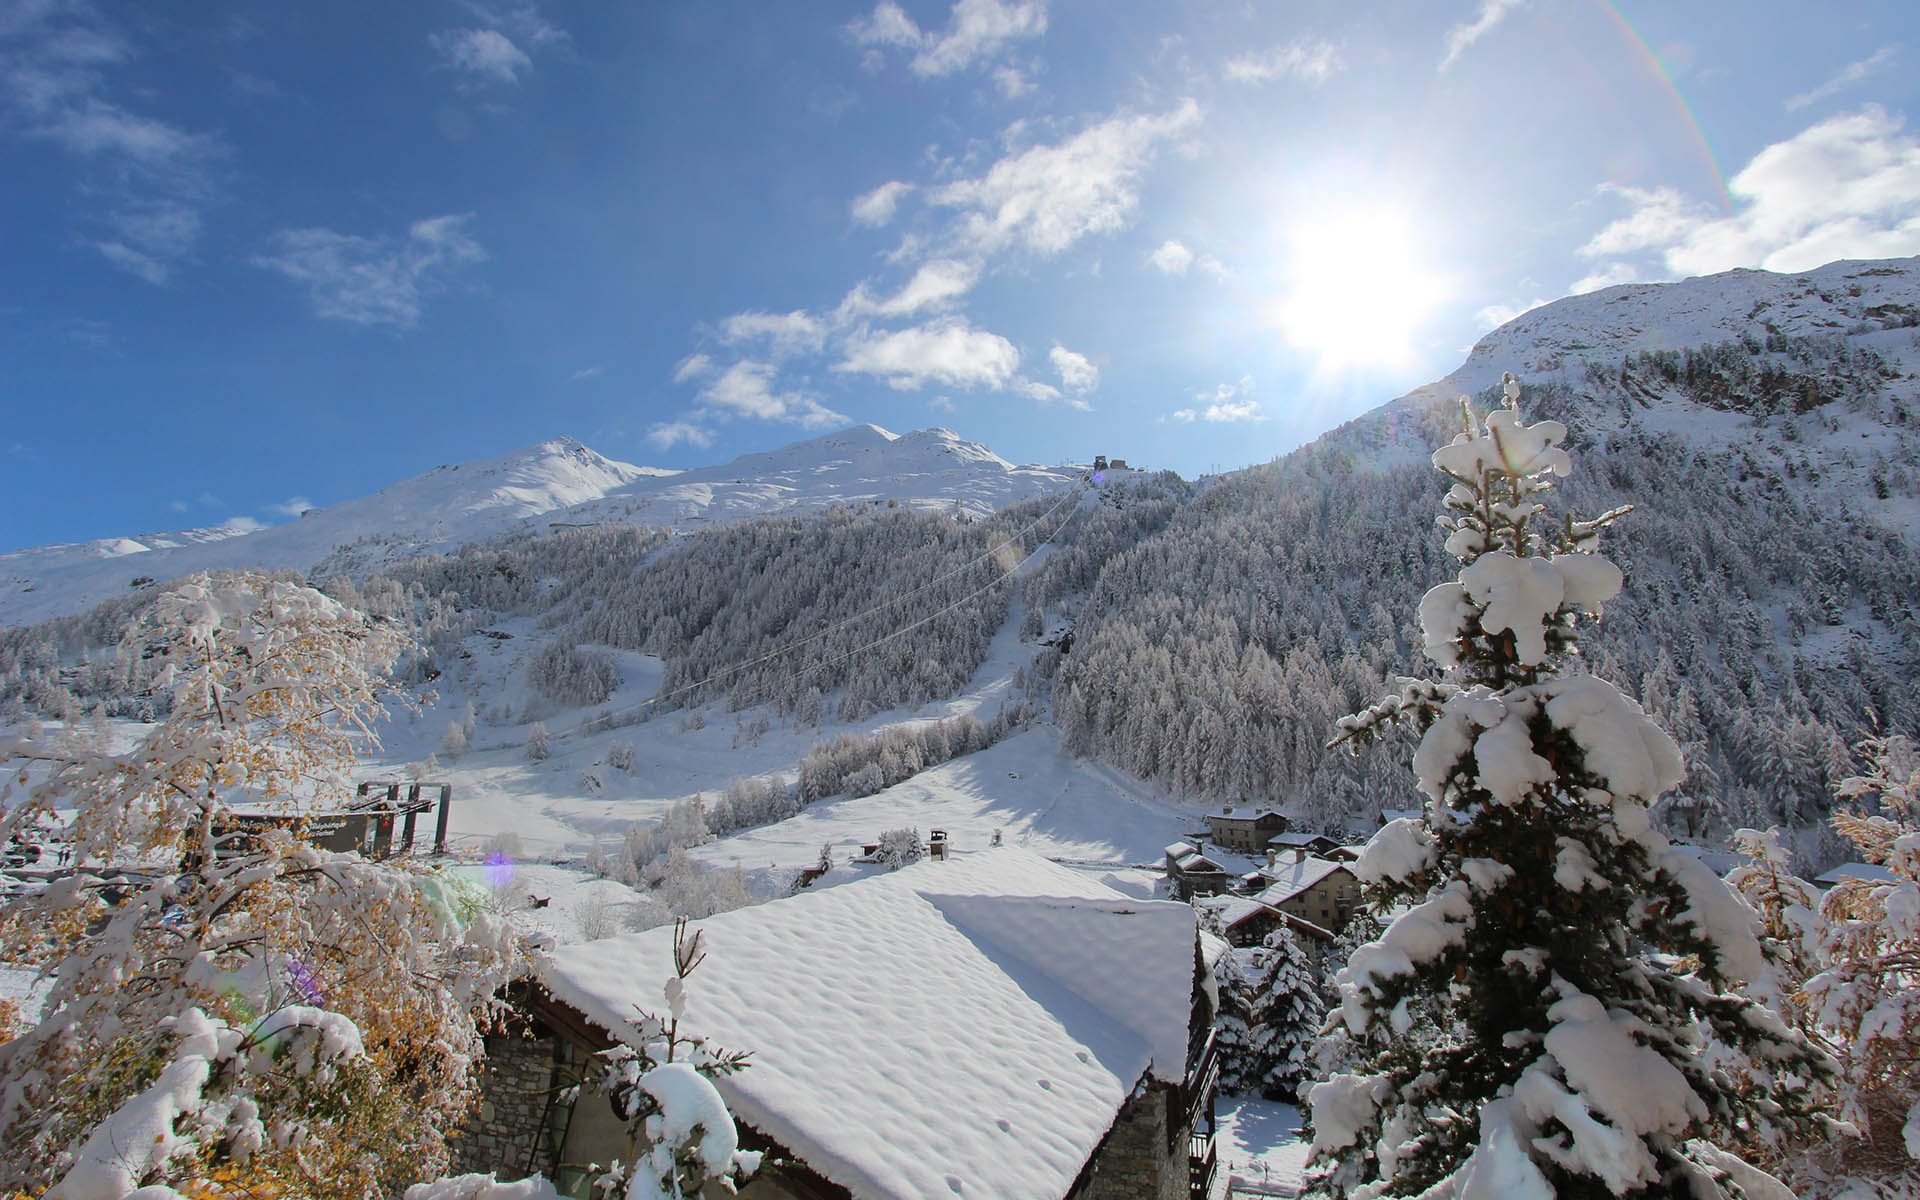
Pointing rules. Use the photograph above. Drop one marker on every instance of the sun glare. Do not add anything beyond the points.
(1358, 287)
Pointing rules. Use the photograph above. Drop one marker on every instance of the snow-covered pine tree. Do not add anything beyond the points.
(1560, 958)
(1295, 1011)
(1270, 1012)
(1242, 974)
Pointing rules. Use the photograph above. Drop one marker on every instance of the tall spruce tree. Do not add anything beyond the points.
(1529, 1026)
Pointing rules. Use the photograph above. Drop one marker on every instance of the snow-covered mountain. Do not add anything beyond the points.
(1766, 429)
(1871, 305)
(928, 468)
(557, 482)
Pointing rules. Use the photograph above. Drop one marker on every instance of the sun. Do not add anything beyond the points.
(1358, 287)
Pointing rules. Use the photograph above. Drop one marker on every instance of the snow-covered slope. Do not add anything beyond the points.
(552, 482)
(929, 468)
(1875, 303)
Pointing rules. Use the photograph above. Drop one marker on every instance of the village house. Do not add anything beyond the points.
(1191, 873)
(1318, 890)
(1299, 845)
(1868, 872)
(993, 1025)
(1248, 829)
(1247, 920)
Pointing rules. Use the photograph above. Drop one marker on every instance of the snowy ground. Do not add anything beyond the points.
(555, 811)
(1260, 1147)
(567, 904)
(1078, 812)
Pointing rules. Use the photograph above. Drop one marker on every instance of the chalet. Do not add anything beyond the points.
(993, 1025)
(1247, 920)
(1244, 828)
(1717, 861)
(1317, 890)
(1191, 873)
(1866, 872)
(1299, 845)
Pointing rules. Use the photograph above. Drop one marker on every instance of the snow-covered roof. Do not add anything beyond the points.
(1717, 861)
(1292, 878)
(1870, 872)
(1236, 813)
(1298, 839)
(967, 1027)
(1187, 857)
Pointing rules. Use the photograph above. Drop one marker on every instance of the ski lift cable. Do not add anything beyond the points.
(654, 702)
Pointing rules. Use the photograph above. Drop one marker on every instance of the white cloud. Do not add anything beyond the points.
(692, 367)
(240, 525)
(976, 31)
(487, 54)
(147, 179)
(1077, 372)
(876, 208)
(1848, 187)
(1606, 276)
(785, 333)
(937, 284)
(1049, 197)
(746, 389)
(1010, 83)
(523, 21)
(177, 505)
(1046, 393)
(1171, 258)
(669, 434)
(586, 373)
(1309, 60)
(1227, 402)
(941, 404)
(948, 352)
(373, 280)
(1461, 36)
(888, 25)
(1848, 75)
(292, 506)
(1495, 315)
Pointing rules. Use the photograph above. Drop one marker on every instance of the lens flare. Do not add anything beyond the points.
(499, 870)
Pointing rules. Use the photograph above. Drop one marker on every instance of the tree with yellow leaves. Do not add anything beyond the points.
(224, 1000)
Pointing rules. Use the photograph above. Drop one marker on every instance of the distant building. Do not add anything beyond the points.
(1191, 873)
(1312, 889)
(1247, 920)
(1870, 872)
(1248, 829)
(1302, 844)
(1099, 462)
(994, 1025)
(1118, 464)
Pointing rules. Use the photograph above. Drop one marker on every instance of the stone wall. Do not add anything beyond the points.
(515, 1085)
(1136, 1162)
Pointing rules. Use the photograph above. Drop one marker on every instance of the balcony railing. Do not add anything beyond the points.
(1203, 1163)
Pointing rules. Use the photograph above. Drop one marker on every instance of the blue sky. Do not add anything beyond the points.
(257, 257)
